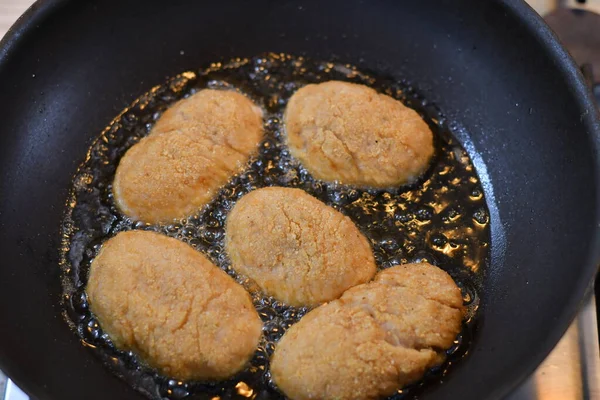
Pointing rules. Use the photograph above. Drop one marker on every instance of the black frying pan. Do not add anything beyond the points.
(68, 67)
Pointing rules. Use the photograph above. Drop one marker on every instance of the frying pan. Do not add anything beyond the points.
(68, 67)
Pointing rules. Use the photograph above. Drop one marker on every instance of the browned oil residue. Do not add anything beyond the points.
(442, 218)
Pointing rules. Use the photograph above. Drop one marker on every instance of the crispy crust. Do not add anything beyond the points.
(377, 338)
(349, 133)
(296, 248)
(193, 150)
(164, 300)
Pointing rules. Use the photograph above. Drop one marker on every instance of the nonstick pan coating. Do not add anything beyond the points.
(68, 67)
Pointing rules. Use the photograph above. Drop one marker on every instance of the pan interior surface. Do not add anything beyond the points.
(442, 218)
(67, 68)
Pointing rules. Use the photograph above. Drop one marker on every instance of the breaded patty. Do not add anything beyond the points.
(377, 338)
(193, 150)
(165, 301)
(350, 133)
(296, 248)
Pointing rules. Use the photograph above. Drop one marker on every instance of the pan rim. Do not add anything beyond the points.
(547, 39)
(36, 13)
(535, 26)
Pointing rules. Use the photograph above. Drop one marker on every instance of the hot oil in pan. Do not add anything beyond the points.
(443, 218)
